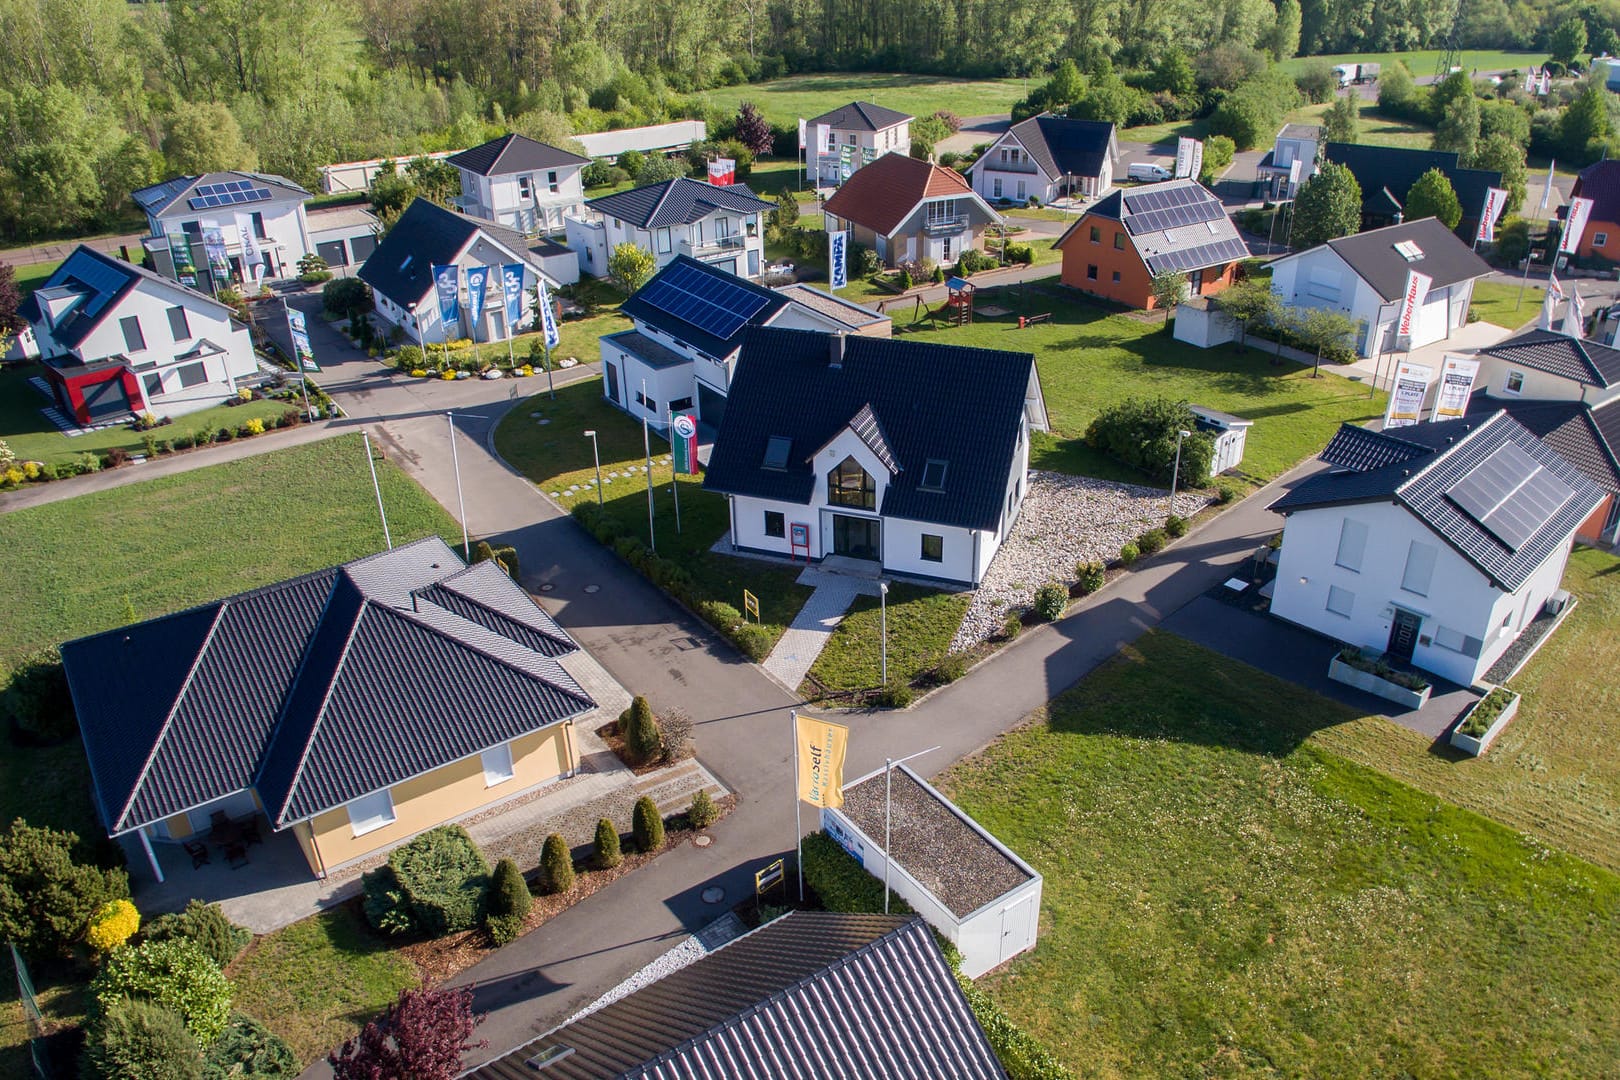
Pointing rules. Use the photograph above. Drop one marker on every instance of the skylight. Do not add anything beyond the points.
(549, 1056)
(1409, 251)
(406, 263)
(776, 452)
(933, 477)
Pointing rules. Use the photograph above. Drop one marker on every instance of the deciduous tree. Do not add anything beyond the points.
(631, 266)
(1328, 206)
(1249, 302)
(1168, 290)
(423, 1036)
(1458, 130)
(752, 129)
(1433, 196)
(46, 897)
(1568, 41)
(1342, 122)
(204, 136)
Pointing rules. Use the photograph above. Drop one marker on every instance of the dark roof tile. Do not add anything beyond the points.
(860, 116)
(1600, 182)
(1372, 255)
(1580, 359)
(1063, 147)
(514, 153)
(1396, 169)
(680, 201)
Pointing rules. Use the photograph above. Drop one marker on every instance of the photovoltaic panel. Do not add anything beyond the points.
(1510, 495)
(706, 301)
(1196, 258)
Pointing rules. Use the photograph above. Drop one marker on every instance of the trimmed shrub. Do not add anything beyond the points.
(508, 902)
(36, 698)
(443, 877)
(674, 734)
(841, 882)
(556, 865)
(384, 902)
(752, 640)
(896, 695)
(1152, 541)
(1226, 492)
(1090, 576)
(113, 925)
(1176, 526)
(1050, 600)
(608, 854)
(640, 730)
(175, 974)
(137, 1040)
(46, 898)
(646, 826)
(1012, 625)
(950, 668)
(205, 924)
(1129, 552)
(249, 1051)
(1141, 432)
(702, 813)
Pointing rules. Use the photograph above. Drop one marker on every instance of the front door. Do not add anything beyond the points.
(612, 376)
(1403, 634)
(105, 400)
(856, 537)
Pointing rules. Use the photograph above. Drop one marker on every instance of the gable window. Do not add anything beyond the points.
(832, 139)
(497, 761)
(371, 812)
(851, 140)
(1091, 272)
(1340, 601)
(995, 188)
(1116, 277)
(1096, 235)
(775, 524)
(551, 181)
(1514, 383)
(722, 228)
(663, 241)
(1003, 153)
(258, 226)
(1352, 543)
(933, 477)
(1600, 239)
(178, 326)
(933, 548)
(851, 485)
(1119, 241)
(1419, 568)
(134, 340)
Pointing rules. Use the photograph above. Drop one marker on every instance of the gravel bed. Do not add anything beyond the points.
(681, 955)
(1065, 519)
(957, 865)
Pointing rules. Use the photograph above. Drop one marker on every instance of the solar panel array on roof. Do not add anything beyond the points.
(1154, 211)
(707, 301)
(1228, 250)
(1510, 495)
(231, 193)
(102, 280)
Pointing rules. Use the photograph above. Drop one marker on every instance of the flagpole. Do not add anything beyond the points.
(674, 471)
(888, 813)
(646, 446)
(798, 824)
(377, 488)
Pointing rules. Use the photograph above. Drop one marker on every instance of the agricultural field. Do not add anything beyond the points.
(784, 101)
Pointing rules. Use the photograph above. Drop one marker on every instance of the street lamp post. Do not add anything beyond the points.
(883, 620)
(596, 454)
(1175, 473)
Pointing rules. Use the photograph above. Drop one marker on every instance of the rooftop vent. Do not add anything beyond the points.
(548, 1057)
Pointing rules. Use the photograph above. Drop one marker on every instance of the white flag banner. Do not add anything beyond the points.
(1546, 191)
(1575, 316)
(1530, 82)
(1574, 225)
(1406, 395)
(1546, 84)
(1495, 201)
(1457, 376)
(1549, 304)
(1416, 292)
(801, 133)
(1295, 167)
(1184, 147)
(251, 262)
(1197, 159)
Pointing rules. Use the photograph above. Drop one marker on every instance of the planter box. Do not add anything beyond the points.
(1478, 745)
(1339, 671)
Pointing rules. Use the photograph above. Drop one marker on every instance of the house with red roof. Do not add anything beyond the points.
(906, 209)
(1601, 184)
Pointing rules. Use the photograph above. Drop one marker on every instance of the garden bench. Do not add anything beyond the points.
(1031, 320)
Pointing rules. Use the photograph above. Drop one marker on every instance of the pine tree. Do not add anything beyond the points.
(556, 865)
(508, 895)
(607, 844)
(647, 826)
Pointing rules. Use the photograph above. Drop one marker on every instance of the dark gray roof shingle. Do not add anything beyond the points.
(157, 199)
(1063, 147)
(812, 996)
(1572, 428)
(105, 281)
(1377, 168)
(401, 266)
(680, 201)
(942, 402)
(514, 153)
(860, 116)
(1372, 255)
(1582, 360)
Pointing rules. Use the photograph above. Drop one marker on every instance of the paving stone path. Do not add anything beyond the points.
(807, 635)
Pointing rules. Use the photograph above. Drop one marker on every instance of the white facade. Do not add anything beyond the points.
(1509, 381)
(1344, 571)
(825, 161)
(1320, 278)
(1007, 171)
(728, 239)
(1295, 142)
(421, 321)
(534, 201)
(281, 233)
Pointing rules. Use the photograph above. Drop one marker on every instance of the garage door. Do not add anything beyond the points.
(106, 400)
(361, 247)
(1432, 317)
(333, 252)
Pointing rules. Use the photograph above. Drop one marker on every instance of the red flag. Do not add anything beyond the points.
(723, 171)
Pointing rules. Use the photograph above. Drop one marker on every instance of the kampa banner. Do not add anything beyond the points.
(447, 284)
(512, 287)
(548, 315)
(1495, 201)
(822, 746)
(1574, 225)
(1412, 298)
(300, 340)
(837, 262)
(1456, 383)
(477, 281)
(683, 441)
(1406, 396)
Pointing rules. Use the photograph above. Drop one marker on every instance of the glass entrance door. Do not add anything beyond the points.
(856, 537)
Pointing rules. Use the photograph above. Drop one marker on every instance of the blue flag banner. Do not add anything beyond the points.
(512, 284)
(477, 279)
(837, 244)
(300, 339)
(447, 283)
(548, 316)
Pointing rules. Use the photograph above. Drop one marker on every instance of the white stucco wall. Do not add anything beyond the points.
(1536, 385)
(660, 385)
(286, 233)
(895, 139)
(1319, 278)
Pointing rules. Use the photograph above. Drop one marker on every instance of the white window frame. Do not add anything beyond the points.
(1354, 534)
(1600, 239)
(995, 188)
(1507, 383)
(364, 817)
(665, 242)
(525, 187)
(497, 762)
(1344, 597)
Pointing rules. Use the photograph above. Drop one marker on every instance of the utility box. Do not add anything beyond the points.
(1231, 436)
(1201, 323)
(984, 899)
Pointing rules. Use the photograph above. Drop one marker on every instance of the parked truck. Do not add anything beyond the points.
(1357, 73)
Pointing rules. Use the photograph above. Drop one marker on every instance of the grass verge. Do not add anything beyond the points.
(922, 622)
(1499, 303)
(783, 101)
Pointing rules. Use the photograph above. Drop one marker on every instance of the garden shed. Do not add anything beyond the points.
(1200, 322)
(1231, 434)
(965, 882)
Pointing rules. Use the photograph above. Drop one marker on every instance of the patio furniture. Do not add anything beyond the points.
(198, 852)
(248, 829)
(225, 834)
(236, 855)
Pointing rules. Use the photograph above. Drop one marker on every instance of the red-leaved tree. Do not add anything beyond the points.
(752, 130)
(422, 1036)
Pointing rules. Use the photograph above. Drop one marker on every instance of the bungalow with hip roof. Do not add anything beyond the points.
(295, 703)
(1437, 544)
(1046, 157)
(716, 224)
(1119, 245)
(117, 339)
(906, 209)
(911, 455)
(845, 140)
(520, 183)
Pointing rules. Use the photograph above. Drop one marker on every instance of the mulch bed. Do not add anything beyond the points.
(609, 733)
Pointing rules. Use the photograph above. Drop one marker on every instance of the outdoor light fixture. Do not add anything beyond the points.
(596, 453)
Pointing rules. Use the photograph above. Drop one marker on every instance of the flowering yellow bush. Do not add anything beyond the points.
(245, 394)
(31, 470)
(418, 373)
(447, 375)
(113, 925)
(525, 370)
(13, 476)
(254, 426)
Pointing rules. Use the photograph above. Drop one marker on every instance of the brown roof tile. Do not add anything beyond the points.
(880, 195)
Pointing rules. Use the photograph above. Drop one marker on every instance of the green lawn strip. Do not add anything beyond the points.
(34, 438)
(784, 101)
(317, 981)
(1426, 61)
(1224, 897)
(922, 622)
(557, 456)
(31, 276)
(164, 544)
(1499, 303)
(1375, 129)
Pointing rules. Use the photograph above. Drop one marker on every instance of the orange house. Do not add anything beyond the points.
(1123, 242)
(1601, 184)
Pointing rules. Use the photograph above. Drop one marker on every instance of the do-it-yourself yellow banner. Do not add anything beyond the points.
(822, 745)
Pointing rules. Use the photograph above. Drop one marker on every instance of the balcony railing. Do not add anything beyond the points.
(719, 245)
(945, 226)
(996, 165)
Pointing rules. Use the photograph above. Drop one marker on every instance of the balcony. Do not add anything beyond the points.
(1025, 166)
(946, 226)
(708, 249)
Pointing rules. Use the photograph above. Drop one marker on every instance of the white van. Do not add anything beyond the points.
(1148, 171)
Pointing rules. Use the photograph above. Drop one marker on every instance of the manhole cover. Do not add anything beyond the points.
(714, 894)
(547, 587)
(702, 841)
(593, 588)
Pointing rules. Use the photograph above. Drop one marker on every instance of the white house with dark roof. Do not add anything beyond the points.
(718, 225)
(1295, 142)
(1364, 276)
(910, 455)
(1546, 365)
(1045, 157)
(852, 136)
(1437, 544)
(117, 339)
(521, 183)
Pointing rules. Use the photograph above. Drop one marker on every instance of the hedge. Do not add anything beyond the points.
(840, 882)
(441, 878)
(174, 974)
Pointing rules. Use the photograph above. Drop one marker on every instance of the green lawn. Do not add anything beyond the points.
(1223, 898)
(34, 438)
(784, 101)
(1423, 62)
(922, 622)
(31, 276)
(1500, 303)
(557, 457)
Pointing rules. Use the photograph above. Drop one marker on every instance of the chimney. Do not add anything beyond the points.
(835, 351)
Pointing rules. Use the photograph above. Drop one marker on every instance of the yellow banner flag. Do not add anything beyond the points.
(822, 745)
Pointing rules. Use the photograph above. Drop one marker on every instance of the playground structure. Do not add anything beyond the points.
(958, 305)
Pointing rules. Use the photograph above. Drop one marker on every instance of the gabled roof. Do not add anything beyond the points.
(1572, 428)
(1175, 225)
(1387, 173)
(426, 233)
(1578, 359)
(514, 153)
(1495, 453)
(860, 116)
(814, 995)
(883, 194)
(298, 688)
(847, 312)
(948, 403)
(104, 281)
(681, 299)
(1063, 147)
(1600, 182)
(680, 201)
(1373, 257)
(244, 195)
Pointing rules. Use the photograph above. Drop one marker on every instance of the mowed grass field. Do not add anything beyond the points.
(1426, 62)
(1507, 305)
(1225, 897)
(784, 101)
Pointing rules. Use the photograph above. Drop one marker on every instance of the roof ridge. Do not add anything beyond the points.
(1440, 455)
(496, 612)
